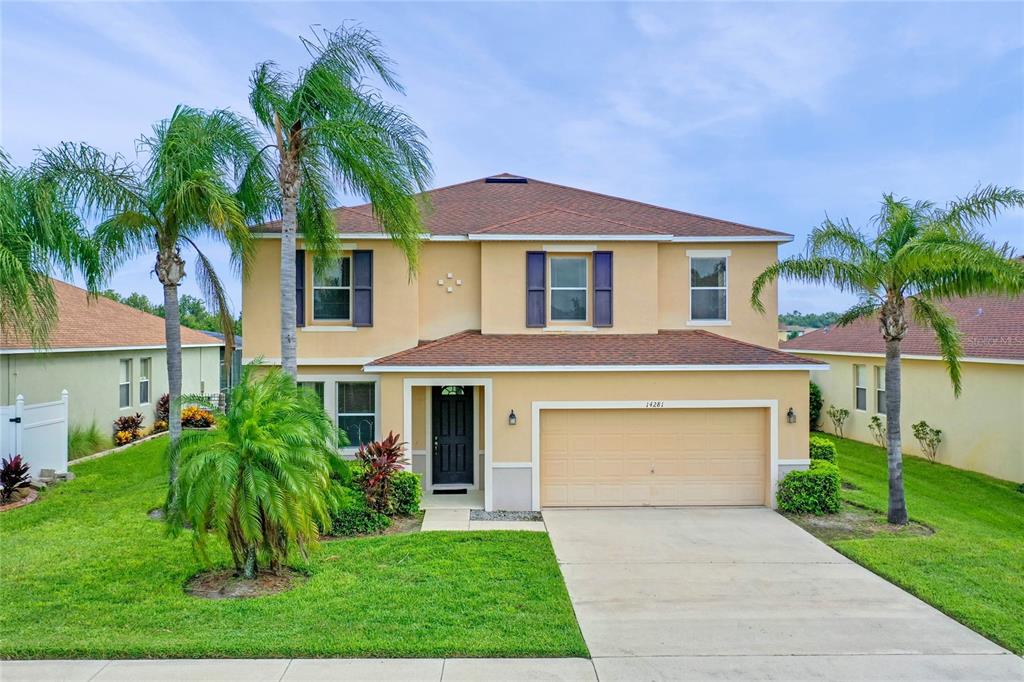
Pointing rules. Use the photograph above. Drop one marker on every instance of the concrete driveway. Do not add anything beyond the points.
(665, 594)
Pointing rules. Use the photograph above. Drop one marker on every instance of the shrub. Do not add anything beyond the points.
(877, 429)
(928, 437)
(406, 491)
(381, 460)
(814, 491)
(162, 411)
(159, 426)
(822, 449)
(817, 402)
(128, 428)
(838, 415)
(354, 517)
(85, 440)
(125, 437)
(194, 417)
(14, 475)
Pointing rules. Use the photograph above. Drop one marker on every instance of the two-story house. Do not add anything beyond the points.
(557, 347)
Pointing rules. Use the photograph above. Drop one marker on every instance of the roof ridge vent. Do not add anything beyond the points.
(506, 179)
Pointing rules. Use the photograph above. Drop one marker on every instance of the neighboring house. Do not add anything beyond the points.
(983, 429)
(109, 356)
(557, 348)
(787, 331)
(234, 370)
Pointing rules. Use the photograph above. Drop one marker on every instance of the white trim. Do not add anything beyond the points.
(990, 361)
(586, 288)
(570, 237)
(570, 329)
(100, 349)
(359, 362)
(538, 405)
(413, 369)
(781, 239)
(697, 322)
(709, 253)
(569, 248)
(407, 385)
(793, 462)
(513, 465)
(361, 236)
(329, 328)
(711, 323)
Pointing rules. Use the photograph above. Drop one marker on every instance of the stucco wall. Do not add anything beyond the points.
(92, 380)
(983, 429)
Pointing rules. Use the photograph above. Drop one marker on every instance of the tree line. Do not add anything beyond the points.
(191, 309)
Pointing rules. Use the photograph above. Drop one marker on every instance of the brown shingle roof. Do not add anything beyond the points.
(479, 206)
(992, 327)
(697, 347)
(102, 323)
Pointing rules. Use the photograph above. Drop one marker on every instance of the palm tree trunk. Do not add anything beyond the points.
(897, 497)
(249, 569)
(170, 269)
(289, 225)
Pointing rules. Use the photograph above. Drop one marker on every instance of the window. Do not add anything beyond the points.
(880, 390)
(124, 387)
(332, 291)
(144, 365)
(569, 289)
(453, 390)
(315, 386)
(357, 409)
(860, 374)
(708, 288)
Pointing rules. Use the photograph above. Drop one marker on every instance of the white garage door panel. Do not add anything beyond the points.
(635, 457)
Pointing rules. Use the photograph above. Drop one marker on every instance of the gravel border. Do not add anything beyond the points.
(481, 515)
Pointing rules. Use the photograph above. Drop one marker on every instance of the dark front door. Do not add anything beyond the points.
(452, 413)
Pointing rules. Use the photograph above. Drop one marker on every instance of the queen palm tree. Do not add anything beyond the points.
(920, 254)
(327, 125)
(262, 480)
(198, 180)
(39, 235)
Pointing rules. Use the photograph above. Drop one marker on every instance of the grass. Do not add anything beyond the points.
(972, 567)
(86, 440)
(85, 573)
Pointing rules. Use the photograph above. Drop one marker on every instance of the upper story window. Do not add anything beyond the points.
(569, 289)
(708, 288)
(124, 384)
(144, 366)
(860, 391)
(332, 291)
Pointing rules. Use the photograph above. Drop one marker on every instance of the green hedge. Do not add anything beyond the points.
(353, 517)
(406, 489)
(823, 449)
(814, 491)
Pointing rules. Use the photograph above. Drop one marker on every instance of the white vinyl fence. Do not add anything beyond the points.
(39, 433)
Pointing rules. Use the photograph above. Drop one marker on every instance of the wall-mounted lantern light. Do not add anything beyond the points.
(512, 418)
(791, 416)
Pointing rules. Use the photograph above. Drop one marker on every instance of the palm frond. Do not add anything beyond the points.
(96, 183)
(865, 308)
(928, 314)
(982, 206)
(833, 272)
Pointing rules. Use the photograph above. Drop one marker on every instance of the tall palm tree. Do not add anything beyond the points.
(921, 254)
(198, 180)
(39, 235)
(262, 480)
(327, 125)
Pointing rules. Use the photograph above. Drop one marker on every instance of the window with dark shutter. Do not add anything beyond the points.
(300, 287)
(602, 288)
(535, 289)
(362, 288)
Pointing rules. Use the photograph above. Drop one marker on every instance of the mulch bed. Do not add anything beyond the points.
(227, 585)
(854, 522)
(20, 499)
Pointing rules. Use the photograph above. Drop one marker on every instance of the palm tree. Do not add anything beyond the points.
(920, 254)
(198, 180)
(39, 234)
(263, 479)
(327, 125)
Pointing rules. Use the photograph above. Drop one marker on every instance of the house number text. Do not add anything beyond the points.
(655, 403)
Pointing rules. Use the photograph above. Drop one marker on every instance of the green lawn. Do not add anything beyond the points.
(972, 568)
(85, 573)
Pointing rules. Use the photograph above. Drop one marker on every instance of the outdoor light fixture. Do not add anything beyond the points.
(511, 417)
(791, 416)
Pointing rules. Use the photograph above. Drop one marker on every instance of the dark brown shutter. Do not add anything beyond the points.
(602, 288)
(362, 288)
(535, 289)
(300, 287)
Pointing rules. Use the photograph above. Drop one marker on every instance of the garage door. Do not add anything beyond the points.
(653, 457)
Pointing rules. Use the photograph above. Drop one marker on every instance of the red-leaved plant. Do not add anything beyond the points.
(381, 460)
(13, 476)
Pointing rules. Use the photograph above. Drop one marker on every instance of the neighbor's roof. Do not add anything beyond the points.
(98, 323)
(696, 349)
(509, 205)
(992, 328)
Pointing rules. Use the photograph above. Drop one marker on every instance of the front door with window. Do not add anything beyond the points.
(452, 435)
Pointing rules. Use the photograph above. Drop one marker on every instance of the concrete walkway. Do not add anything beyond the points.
(458, 519)
(672, 594)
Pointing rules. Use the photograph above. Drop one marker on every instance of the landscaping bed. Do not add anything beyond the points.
(970, 564)
(87, 574)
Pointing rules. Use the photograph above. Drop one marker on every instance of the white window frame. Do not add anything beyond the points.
(146, 362)
(341, 288)
(705, 254)
(331, 399)
(124, 362)
(879, 389)
(585, 288)
(858, 387)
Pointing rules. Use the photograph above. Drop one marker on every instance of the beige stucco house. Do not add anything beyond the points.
(557, 347)
(110, 357)
(983, 429)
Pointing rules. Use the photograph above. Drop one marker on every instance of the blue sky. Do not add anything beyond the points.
(767, 114)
